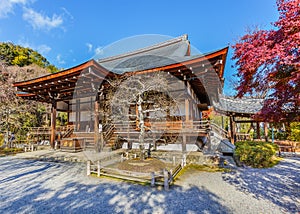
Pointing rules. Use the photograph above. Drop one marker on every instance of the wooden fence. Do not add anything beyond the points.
(163, 178)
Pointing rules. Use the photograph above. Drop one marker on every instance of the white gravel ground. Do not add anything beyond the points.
(29, 186)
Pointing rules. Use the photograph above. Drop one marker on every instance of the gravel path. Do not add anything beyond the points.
(29, 186)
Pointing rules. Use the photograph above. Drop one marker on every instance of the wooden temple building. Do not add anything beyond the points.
(82, 91)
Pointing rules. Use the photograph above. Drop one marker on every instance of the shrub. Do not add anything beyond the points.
(295, 132)
(256, 154)
(1, 139)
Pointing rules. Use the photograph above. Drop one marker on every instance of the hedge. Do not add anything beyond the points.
(256, 154)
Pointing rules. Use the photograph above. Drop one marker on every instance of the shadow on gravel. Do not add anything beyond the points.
(40, 187)
(280, 184)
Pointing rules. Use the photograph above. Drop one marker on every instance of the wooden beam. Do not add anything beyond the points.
(64, 74)
(245, 121)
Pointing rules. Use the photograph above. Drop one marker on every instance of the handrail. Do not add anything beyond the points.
(68, 131)
(108, 131)
(219, 130)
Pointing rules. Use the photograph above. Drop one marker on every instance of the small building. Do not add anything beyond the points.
(83, 92)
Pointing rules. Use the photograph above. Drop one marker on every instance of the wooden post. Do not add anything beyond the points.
(174, 160)
(257, 130)
(98, 145)
(166, 179)
(98, 168)
(53, 123)
(91, 117)
(232, 129)
(152, 179)
(88, 167)
(77, 115)
(184, 143)
(183, 162)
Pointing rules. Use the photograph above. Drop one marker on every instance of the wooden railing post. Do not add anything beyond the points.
(166, 179)
(171, 176)
(88, 167)
(174, 160)
(98, 168)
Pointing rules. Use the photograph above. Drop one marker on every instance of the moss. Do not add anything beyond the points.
(9, 151)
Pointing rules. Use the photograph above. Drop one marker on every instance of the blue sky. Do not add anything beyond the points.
(68, 33)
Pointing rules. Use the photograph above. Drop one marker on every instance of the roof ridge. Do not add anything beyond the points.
(184, 37)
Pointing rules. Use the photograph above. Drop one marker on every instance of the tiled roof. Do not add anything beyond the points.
(165, 53)
(245, 105)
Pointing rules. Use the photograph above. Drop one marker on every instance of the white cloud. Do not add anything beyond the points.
(43, 49)
(40, 21)
(7, 6)
(90, 47)
(99, 51)
(60, 60)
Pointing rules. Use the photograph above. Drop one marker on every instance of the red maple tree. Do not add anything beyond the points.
(268, 64)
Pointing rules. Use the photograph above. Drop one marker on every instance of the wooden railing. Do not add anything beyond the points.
(39, 130)
(172, 126)
(64, 130)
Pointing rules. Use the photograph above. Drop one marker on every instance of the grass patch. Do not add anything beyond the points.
(206, 168)
(200, 168)
(147, 165)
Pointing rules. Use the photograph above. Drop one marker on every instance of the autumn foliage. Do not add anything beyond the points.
(268, 64)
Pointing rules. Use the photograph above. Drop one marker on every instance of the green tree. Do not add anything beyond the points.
(11, 54)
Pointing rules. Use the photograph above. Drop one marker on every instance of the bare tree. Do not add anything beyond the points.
(15, 112)
(150, 94)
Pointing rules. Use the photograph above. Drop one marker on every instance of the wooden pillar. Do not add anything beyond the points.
(98, 145)
(187, 110)
(77, 116)
(53, 123)
(257, 130)
(232, 129)
(266, 131)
